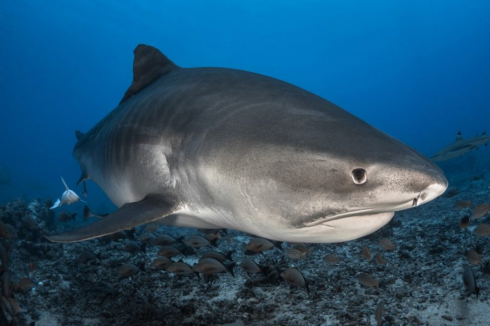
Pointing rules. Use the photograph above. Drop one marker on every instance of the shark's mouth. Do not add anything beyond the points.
(361, 211)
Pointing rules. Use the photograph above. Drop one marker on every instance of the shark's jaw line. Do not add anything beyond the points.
(364, 211)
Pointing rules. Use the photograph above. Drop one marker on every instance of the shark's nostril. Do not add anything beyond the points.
(423, 196)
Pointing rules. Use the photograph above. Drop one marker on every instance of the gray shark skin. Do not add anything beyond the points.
(460, 147)
(224, 148)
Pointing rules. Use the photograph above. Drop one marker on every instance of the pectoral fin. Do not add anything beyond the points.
(151, 208)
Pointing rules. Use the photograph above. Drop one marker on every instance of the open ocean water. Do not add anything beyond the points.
(417, 70)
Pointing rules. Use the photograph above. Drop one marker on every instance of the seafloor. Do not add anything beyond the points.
(421, 283)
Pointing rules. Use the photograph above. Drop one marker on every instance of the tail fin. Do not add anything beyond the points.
(229, 255)
(230, 268)
(214, 242)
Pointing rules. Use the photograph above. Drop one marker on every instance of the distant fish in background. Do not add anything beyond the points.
(197, 241)
(460, 204)
(210, 266)
(180, 269)
(460, 147)
(387, 245)
(470, 282)
(483, 230)
(295, 278)
(161, 263)
(67, 198)
(250, 267)
(365, 253)
(293, 253)
(368, 280)
(126, 270)
(473, 257)
(331, 259)
(218, 256)
(379, 259)
(259, 245)
(87, 256)
(480, 211)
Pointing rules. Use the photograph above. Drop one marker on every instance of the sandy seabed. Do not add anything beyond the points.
(421, 283)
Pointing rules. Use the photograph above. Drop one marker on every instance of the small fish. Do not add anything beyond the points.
(67, 198)
(379, 313)
(259, 245)
(168, 251)
(365, 253)
(464, 222)
(211, 236)
(179, 268)
(151, 228)
(294, 277)
(367, 280)
(209, 266)
(164, 240)
(87, 256)
(480, 211)
(459, 147)
(379, 259)
(250, 267)
(331, 259)
(127, 270)
(387, 245)
(197, 241)
(87, 213)
(65, 216)
(218, 256)
(294, 253)
(161, 262)
(303, 248)
(470, 282)
(147, 237)
(461, 204)
(133, 247)
(483, 230)
(473, 257)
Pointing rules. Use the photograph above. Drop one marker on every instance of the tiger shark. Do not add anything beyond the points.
(225, 148)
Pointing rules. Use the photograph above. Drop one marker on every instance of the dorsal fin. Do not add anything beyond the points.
(459, 136)
(79, 134)
(149, 65)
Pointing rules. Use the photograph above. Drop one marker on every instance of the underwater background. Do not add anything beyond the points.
(417, 70)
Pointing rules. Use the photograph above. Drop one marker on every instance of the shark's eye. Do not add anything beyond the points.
(359, 176)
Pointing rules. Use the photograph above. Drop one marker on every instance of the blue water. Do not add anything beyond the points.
(418, 70)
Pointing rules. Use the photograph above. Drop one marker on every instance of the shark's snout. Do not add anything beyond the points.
(437, 186)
